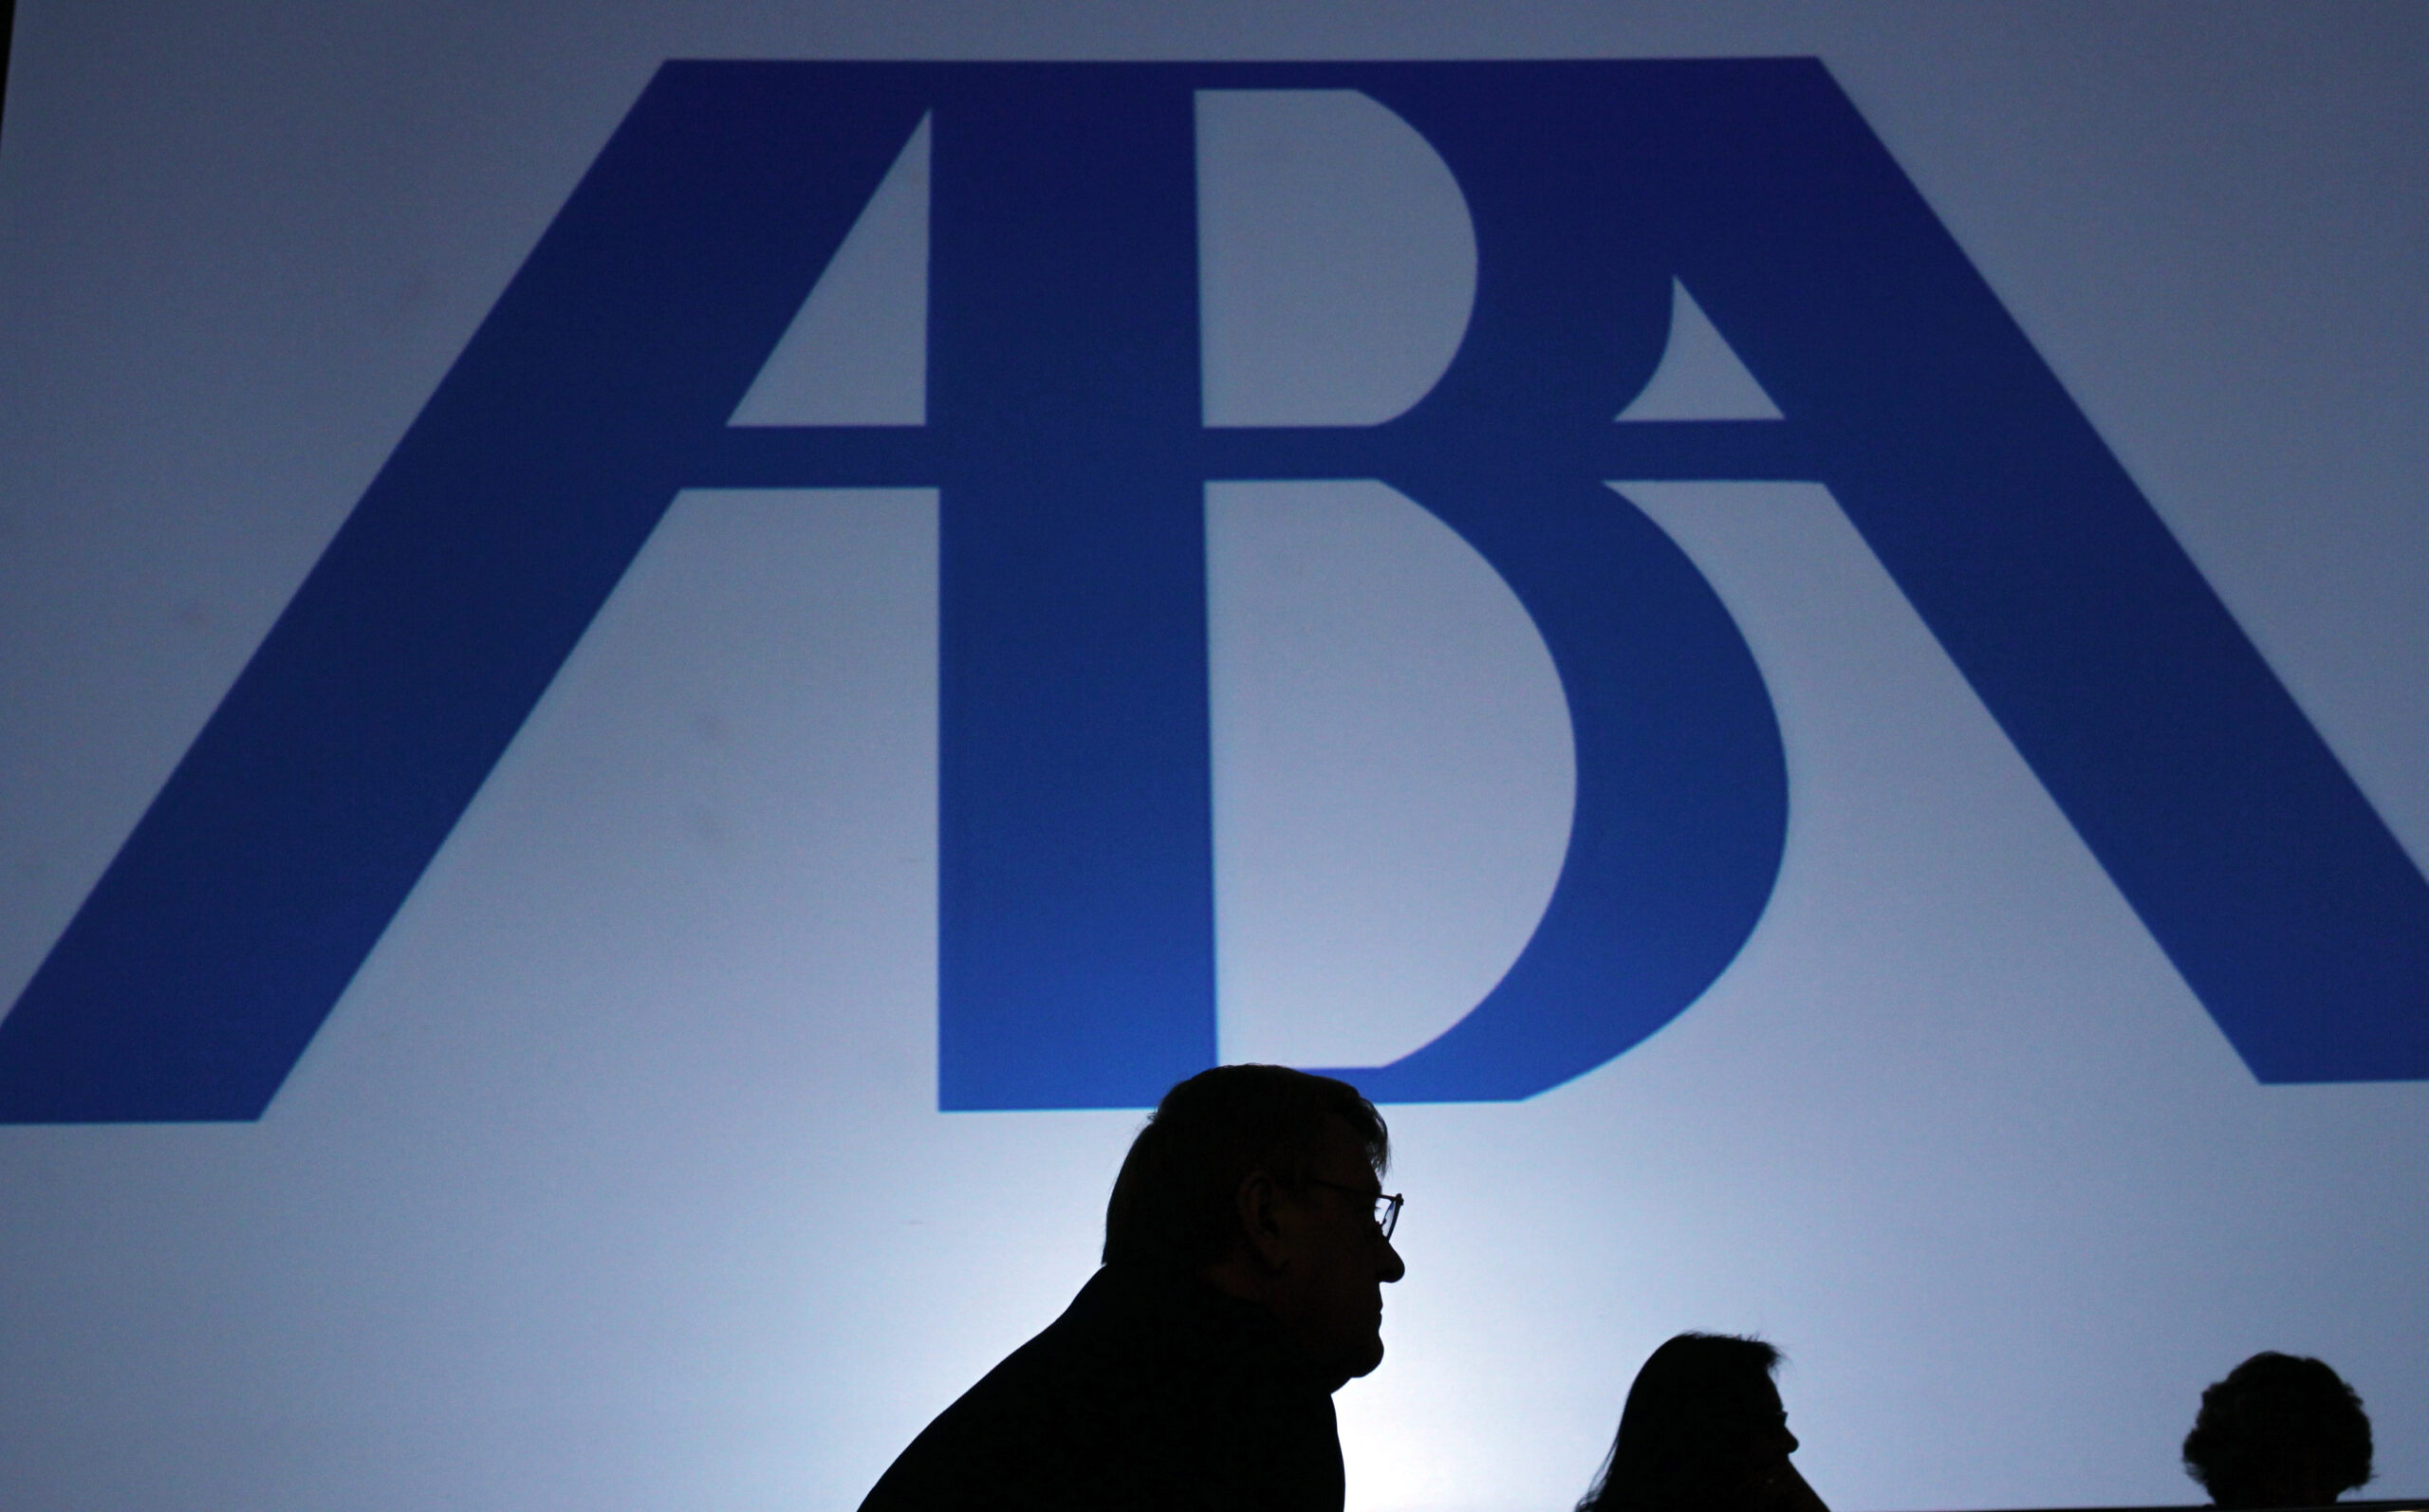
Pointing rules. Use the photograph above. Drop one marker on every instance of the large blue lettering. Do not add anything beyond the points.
(1076, 947)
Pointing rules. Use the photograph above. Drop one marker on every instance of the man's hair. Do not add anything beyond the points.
(1696, 1406)
(1175, 1203)
(2274, 1413)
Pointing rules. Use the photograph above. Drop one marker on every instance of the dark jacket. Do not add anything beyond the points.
(1151, 1391)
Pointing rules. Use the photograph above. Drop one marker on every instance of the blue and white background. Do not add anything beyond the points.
(617, 1177)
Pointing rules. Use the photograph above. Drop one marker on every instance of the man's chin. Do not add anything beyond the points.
(1361, 1360)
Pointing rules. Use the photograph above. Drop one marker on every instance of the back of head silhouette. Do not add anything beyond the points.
(1703, 1432)
(2279, 1431)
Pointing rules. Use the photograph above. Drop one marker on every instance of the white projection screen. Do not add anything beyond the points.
(1952, 904)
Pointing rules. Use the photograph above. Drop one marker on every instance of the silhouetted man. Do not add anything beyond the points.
(1245, 1251)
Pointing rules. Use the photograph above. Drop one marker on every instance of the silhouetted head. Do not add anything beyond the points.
(1703, 1432)
(2280, 1430)
(1264, 1181)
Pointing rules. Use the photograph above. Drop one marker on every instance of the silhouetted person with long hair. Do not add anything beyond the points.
(1703, 1432)
(2281, 1430)
(1245, 1251)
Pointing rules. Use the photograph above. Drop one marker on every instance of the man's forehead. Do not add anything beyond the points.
(1341, 1156)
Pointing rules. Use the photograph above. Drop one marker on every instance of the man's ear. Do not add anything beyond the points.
(1258, 1201)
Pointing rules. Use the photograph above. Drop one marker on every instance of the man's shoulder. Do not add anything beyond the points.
(1146, 1389)
(1131, 1348)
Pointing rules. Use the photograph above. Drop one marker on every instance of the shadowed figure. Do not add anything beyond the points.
(1245, 1251)
(1703, 1432)
(2281, 1430)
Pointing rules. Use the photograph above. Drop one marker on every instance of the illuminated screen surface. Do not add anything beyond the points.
(648, 701)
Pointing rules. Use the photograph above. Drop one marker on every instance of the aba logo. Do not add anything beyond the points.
(1066, 434)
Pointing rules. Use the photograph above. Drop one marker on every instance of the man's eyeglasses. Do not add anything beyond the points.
(1388, 1204)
